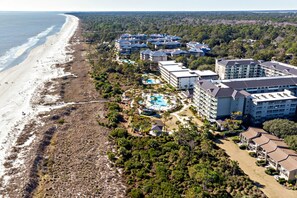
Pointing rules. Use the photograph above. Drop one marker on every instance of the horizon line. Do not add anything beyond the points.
(263, 10)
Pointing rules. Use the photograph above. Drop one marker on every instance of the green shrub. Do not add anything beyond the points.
(111, 156)
(136, 193)
(118, 133)
(271, 171)
(282, 181)
(61, 121)
(261, 163)
(243, 147)
(253, 154)
(236, 139)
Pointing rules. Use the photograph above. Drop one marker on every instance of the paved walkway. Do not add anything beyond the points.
(271, 187)
(179, 117)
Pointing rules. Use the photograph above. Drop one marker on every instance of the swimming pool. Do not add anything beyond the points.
(158, 100)
(151, 81)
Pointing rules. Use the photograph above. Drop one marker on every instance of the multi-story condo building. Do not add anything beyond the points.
(181, 77)
(259, 98)
(272, 149)
(216, 101)
(183, 80)
(263, 106)
(169, 72)
(237, 68)
(206, 75)
(249, 68)
(154, 56)
(274, 68)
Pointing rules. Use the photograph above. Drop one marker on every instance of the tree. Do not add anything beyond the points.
(291, 140)
(166, 116)
(280, 127)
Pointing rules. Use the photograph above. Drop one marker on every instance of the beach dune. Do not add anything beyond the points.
(19, 85)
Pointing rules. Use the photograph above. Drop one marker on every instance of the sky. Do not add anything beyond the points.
(148, 5)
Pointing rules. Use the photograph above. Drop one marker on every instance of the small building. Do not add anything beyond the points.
(196, 52)
(157, 128)
(145, 54)
(179, 52)
(154, 56)
(272, 149)
(158, 56)
(167, 45)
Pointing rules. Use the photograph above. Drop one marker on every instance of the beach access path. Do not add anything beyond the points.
(270, 186)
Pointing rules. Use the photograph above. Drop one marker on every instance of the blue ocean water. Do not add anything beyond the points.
(20, 32)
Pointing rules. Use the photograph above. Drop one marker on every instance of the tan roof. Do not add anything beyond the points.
(252, 132)
(264, 138)
(281, 154)
(289, 164)
(273, 145)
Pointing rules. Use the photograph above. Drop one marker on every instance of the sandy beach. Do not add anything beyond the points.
(21, 85)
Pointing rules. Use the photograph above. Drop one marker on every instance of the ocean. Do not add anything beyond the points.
(20, 32)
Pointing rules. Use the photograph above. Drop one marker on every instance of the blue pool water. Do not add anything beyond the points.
(150, 81)
(160, 101)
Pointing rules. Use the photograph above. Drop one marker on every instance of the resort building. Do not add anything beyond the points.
(216, 102)
(198, 46)
(206, 75)
(129, 43)
(274, 68)
(177, 75)
(272, 149)
(259, 99)
(127, 47)
(249, 68)
(237, 68)
(181, 77)
(196, 52)
(263, 106)
(154, 56)
(183, 80)
(167, 44)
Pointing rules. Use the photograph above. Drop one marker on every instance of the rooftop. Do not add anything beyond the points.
(233, 62)
(265, 138)
(174, 68)
(281, 154)
(272, 145)
(205, 73)
(252, 132)
(290, 163)
(184, 74)
(157, 53)
(164, 63)
(245, 83)
(282, 67)
(274, 96)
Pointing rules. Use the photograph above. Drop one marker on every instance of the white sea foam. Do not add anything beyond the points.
(18, 51)
(19, 85)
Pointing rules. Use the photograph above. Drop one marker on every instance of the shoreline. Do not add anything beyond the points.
(67, 158)
(21, 86)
